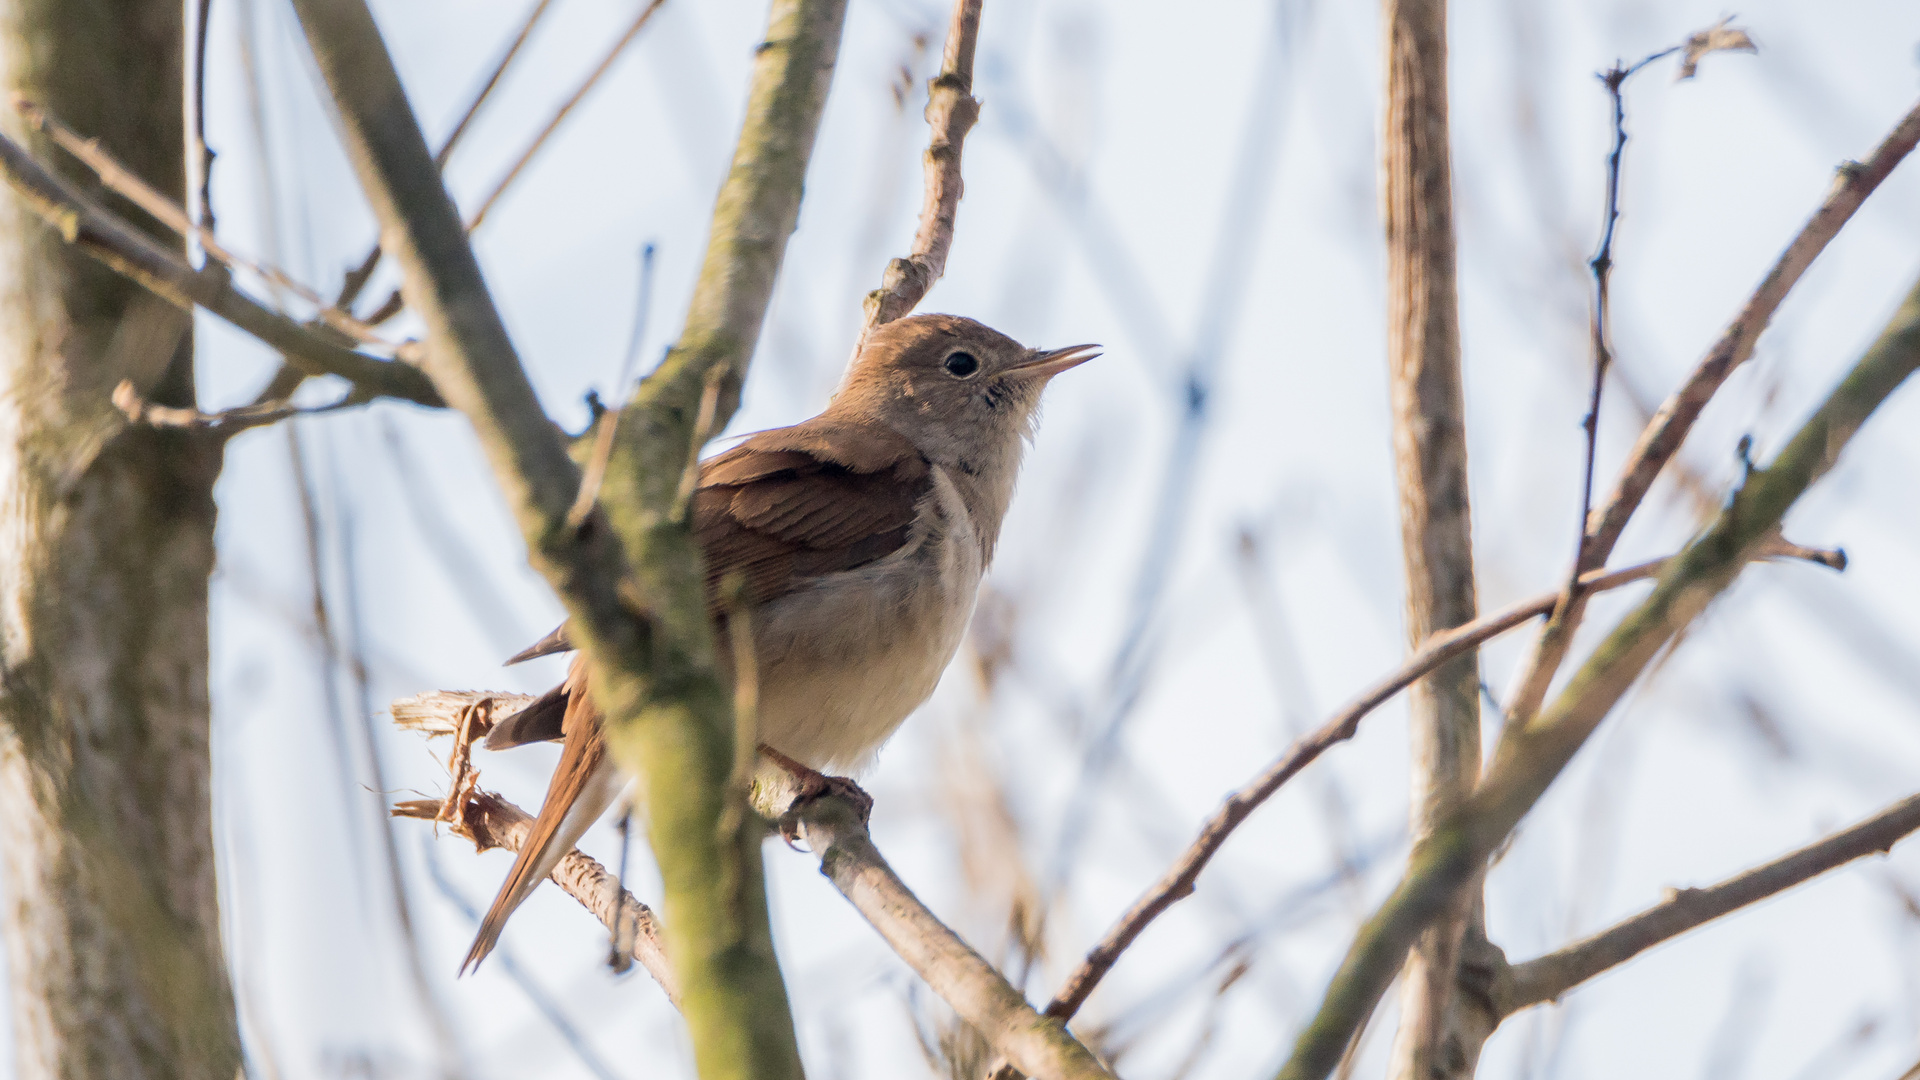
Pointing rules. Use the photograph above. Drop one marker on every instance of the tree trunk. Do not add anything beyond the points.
(106, 543)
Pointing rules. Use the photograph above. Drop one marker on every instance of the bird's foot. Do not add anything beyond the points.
(811, 784)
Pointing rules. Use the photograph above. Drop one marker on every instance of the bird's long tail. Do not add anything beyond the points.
(584, 785)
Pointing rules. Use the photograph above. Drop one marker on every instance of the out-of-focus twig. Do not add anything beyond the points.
(356, 279)
(104, 236)
(571, 1035)
(560, 115)
(1189, 393)
(225, 422)
(951, 113)
(394, 302)
(126, 183)
(1547, 977)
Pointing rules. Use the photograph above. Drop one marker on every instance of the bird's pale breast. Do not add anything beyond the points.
(846, 659)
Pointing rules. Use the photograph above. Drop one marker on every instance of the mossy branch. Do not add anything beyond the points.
(634, 590)
(1531, 754)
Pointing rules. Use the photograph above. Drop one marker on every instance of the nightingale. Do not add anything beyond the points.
(860, 535)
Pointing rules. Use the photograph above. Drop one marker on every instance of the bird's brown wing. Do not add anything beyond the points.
(793, 504)
(782, 508)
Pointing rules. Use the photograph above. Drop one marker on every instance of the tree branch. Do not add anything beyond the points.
(125, 182)
(1532, 753)
(492, 822)
(1430, 453)
(1039, 1046)
(1547, 977)
(951, 113)
(106, 237)
(227, 422)
(647, 635)
(1669, 427)
(1178, 882)
(560, 115)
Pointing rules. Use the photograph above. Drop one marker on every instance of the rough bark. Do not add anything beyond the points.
(1430, 454)
(106, 543)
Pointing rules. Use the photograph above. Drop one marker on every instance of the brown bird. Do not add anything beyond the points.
(861, 536)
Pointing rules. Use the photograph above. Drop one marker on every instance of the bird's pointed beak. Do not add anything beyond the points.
(1045, 365)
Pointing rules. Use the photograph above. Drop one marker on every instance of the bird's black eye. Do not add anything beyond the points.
(961, 365)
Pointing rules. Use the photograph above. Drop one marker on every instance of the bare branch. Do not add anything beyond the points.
(103, 235)
(1531, 754)
(1547, 977)
(1430, 458)
(1670, 425)
(492, 822)
(653, 654)
(1178, 882)
(356, 279)
(126, 183)
(1038, 1046)
(227, 422)
(951, 113)
(560, 115)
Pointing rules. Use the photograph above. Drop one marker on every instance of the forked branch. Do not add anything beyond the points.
(107, 237)
(1178, 882)
(1668, 429)
(1531, 754)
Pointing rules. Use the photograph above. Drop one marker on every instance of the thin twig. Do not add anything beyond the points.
(199, 154)
(124, 182)
(1669, 427)
(226, 422)
(596, 470)
(1600, 315)
(1598, 325)
(356, 279)
(1178, 882)
(560, 115)
(1547, 977)
(108, 238)
(951, 112)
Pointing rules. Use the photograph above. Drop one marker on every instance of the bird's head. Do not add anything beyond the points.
(962, 391)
